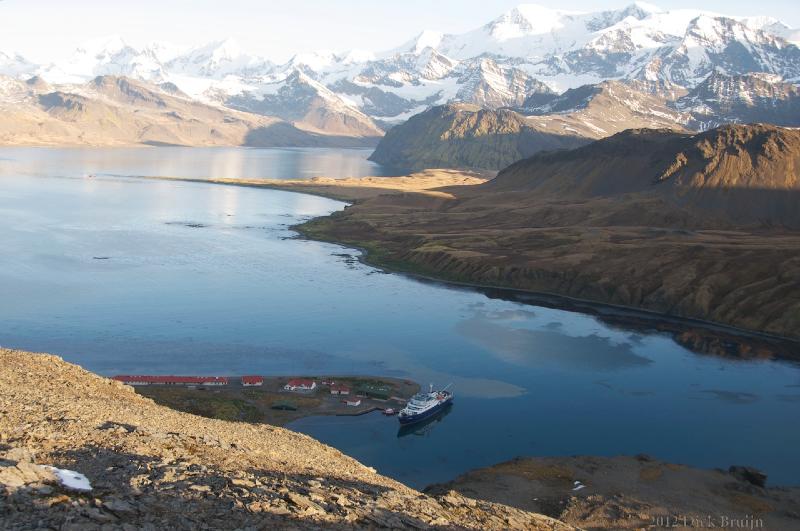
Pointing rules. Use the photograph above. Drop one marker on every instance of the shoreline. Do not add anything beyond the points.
(625, 316)
(269, 403)
(632, 492)
(141, 457)
(348, 191)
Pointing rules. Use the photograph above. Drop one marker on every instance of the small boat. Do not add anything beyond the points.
(389, 411)
(423, 405)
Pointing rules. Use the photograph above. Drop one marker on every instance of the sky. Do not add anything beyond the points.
(48, 30)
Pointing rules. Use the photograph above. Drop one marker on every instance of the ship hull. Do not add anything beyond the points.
(411, 419)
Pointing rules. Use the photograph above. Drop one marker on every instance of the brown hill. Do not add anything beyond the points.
(741, 175)
(466, 136)
(704, 226)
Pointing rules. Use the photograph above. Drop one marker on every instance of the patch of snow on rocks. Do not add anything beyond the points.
(71, 479)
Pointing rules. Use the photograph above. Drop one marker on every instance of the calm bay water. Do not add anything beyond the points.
(218, 162)
(125, 275)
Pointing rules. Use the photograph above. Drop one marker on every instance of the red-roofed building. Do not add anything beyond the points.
(300, 384)
(340, 390)
(171, 380)
(250, 381)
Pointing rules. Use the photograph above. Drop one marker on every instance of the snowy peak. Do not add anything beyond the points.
(491, 85)
(426, 39)
(312, 61)
(14, 65)
(102, 49)
(298, 80)
(527, 19)
(154, 62)
(430, 64)
(515, 60)
(713, 32)
(306, 103)
(217, 60)
(356, 56)
(746, 98)
(105, 56)
(722, 44)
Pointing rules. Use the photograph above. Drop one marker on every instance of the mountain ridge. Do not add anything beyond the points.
(111, 110)
(736, 175)
(558, 49)
(493, 139)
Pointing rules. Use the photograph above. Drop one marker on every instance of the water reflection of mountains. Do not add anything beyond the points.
(697, 336)
(424, 427)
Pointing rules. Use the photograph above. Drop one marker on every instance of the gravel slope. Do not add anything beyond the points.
(154, 468)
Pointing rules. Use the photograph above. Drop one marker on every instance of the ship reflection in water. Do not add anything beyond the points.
(424, 427)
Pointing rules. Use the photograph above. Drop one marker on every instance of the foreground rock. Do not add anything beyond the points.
(154, 468)
(633, 493)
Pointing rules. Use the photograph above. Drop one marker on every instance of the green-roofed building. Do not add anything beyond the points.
(381, 392)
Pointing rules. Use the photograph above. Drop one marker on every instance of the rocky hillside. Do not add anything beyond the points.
(308, 104)
(634, 493)
(466, 136)
(112, 110)
(742, 175)
(722, 99)
(154, 468)
(701, 226)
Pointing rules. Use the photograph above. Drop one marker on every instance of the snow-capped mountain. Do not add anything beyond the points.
(531, 49)
(106, 56)
(217, 60)
(519, 59)
(14, 65)
(489, 84)
(721, 44)
(298, 98)
(723, 99)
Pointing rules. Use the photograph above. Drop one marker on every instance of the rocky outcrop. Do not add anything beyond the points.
(721, 99)
(154, 468)
(633, 493)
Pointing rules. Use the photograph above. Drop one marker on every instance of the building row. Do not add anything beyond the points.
(140, 379)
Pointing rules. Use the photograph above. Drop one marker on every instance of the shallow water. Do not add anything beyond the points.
(123, 276)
